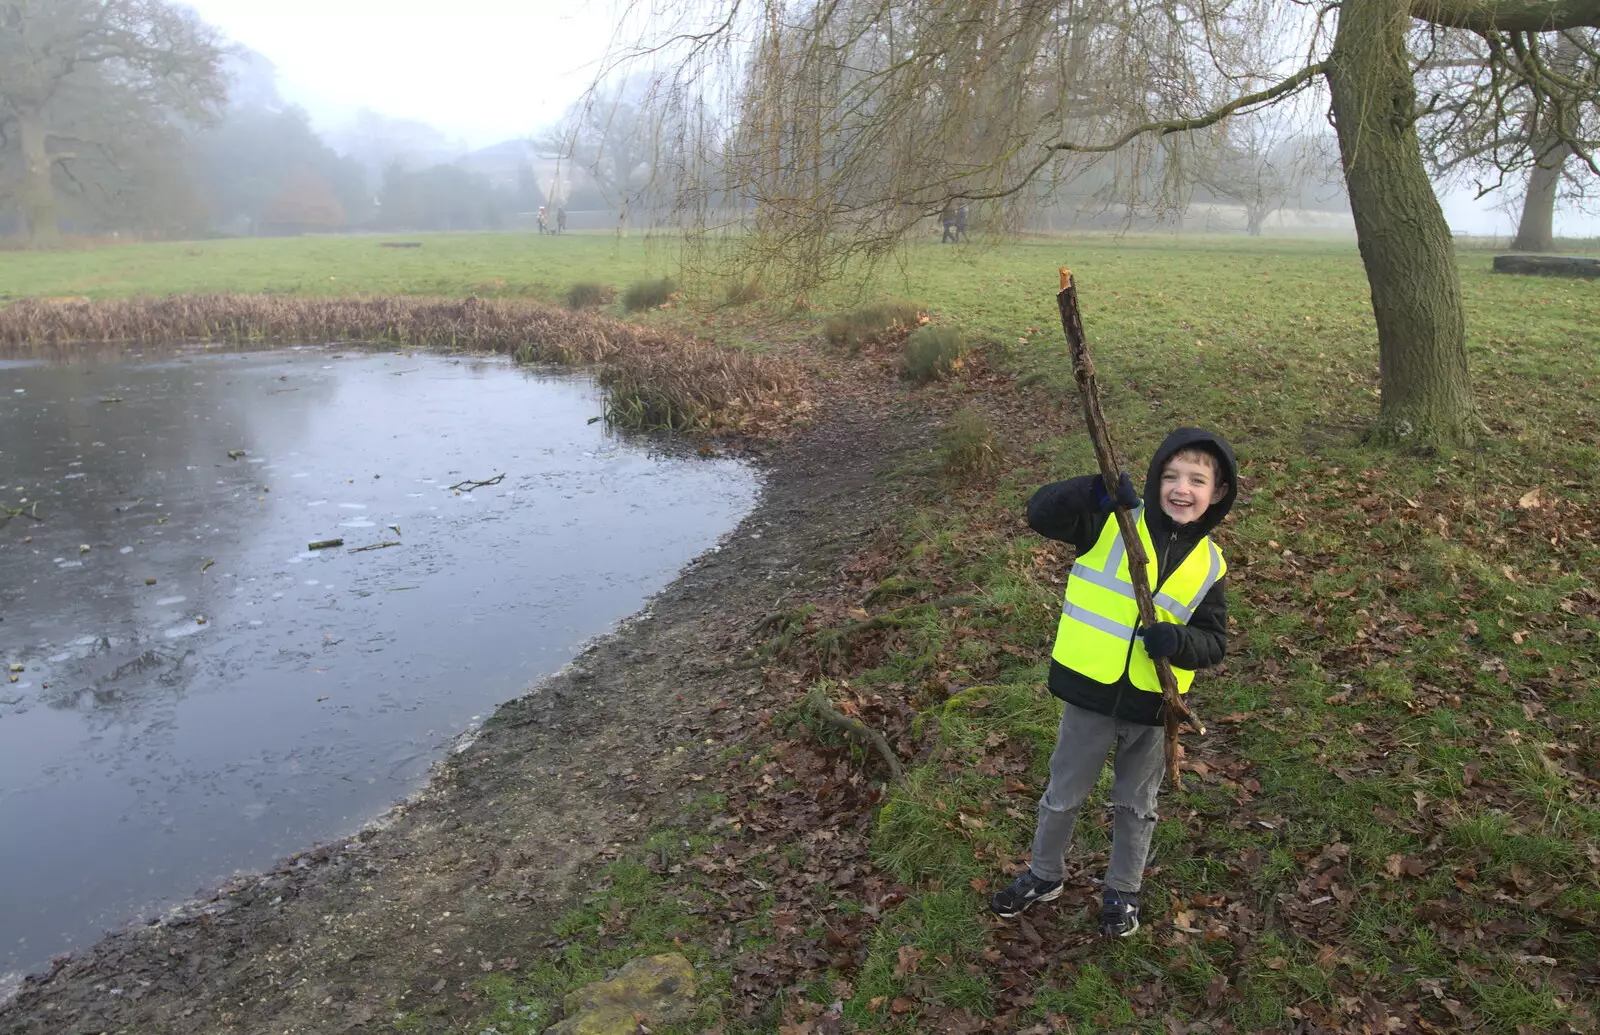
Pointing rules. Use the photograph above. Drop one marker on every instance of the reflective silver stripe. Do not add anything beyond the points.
(1096, 577)
(1118, 547)
(1100, 622)
(1173, 608)
(1185, 612)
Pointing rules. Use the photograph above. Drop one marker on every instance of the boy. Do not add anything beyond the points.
(1101, 664)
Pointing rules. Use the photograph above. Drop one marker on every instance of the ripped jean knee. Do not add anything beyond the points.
(1142, 815)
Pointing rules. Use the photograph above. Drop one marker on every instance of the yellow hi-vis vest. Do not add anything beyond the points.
(1100, 618)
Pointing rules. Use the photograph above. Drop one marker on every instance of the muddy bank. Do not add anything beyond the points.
(466, 878)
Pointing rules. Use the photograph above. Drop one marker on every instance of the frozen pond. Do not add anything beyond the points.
(199, 692)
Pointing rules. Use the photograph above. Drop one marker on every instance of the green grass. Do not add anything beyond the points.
(1412, 669)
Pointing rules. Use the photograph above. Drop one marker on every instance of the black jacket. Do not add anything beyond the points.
(1070, 512)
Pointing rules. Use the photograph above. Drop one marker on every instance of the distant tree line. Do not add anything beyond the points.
(134, 117)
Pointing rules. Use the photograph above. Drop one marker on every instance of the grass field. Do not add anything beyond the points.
(1393, 826)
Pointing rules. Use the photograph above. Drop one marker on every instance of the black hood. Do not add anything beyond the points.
(1181, 439)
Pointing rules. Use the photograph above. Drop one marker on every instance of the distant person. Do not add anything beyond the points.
(961, 225)
(544, 226)
(947, 219)
(561, 219)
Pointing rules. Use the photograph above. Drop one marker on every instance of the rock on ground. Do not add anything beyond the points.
(650, 990)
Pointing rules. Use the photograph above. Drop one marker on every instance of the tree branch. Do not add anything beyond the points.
(1509, 15)
(1166, 127)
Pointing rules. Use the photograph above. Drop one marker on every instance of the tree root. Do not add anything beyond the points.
(817, 703)
(833, 643)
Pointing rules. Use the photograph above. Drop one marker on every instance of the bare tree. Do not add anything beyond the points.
(1258, 164)
(80, 75)
(1487, 128)
(631, 136)
(856, 119)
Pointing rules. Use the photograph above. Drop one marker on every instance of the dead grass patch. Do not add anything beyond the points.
(968, 446)
(932, 353)
(590, 294)
(872, 323)
(648, 294)
(744, 292)
(658, 379)
(698, 386)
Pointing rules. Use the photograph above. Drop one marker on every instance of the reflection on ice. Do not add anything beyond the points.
(180, 757)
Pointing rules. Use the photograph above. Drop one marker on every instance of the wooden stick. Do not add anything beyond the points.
(1174, 711)
(468, 484)
(374, 546)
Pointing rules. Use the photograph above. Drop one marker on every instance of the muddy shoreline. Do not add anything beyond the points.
(466, 877)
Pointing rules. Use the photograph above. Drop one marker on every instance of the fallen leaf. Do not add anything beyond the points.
(1530, 500)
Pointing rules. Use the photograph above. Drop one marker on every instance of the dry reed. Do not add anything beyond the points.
(657, 379)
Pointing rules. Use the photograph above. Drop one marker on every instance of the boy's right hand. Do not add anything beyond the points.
(1127, 496)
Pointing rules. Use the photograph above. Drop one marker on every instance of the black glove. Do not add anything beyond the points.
(1160, 639)
(1127, 496)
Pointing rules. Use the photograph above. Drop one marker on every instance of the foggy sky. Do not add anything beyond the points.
(484, 71)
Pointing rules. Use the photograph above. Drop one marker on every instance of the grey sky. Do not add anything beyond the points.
(488, 70)
(483, 70)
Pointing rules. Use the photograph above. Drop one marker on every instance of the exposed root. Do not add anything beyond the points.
(817, 703)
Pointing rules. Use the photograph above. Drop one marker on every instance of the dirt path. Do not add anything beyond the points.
(467, 877)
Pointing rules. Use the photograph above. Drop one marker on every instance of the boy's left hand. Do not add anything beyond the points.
(1160, 639)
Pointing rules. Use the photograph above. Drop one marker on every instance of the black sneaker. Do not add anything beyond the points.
(1024, 892)
(1119, 913)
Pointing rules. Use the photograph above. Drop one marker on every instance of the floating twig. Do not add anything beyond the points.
(468, 484)
(324, 544)
(206, 565)
(374, 546)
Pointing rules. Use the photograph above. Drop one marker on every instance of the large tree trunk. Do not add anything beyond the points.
(1536, 229)
(1405, 242)
(37, 194)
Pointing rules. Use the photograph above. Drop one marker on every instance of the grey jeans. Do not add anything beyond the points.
(1075, 766)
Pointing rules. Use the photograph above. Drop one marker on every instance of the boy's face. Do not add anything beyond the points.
(1188, 488)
